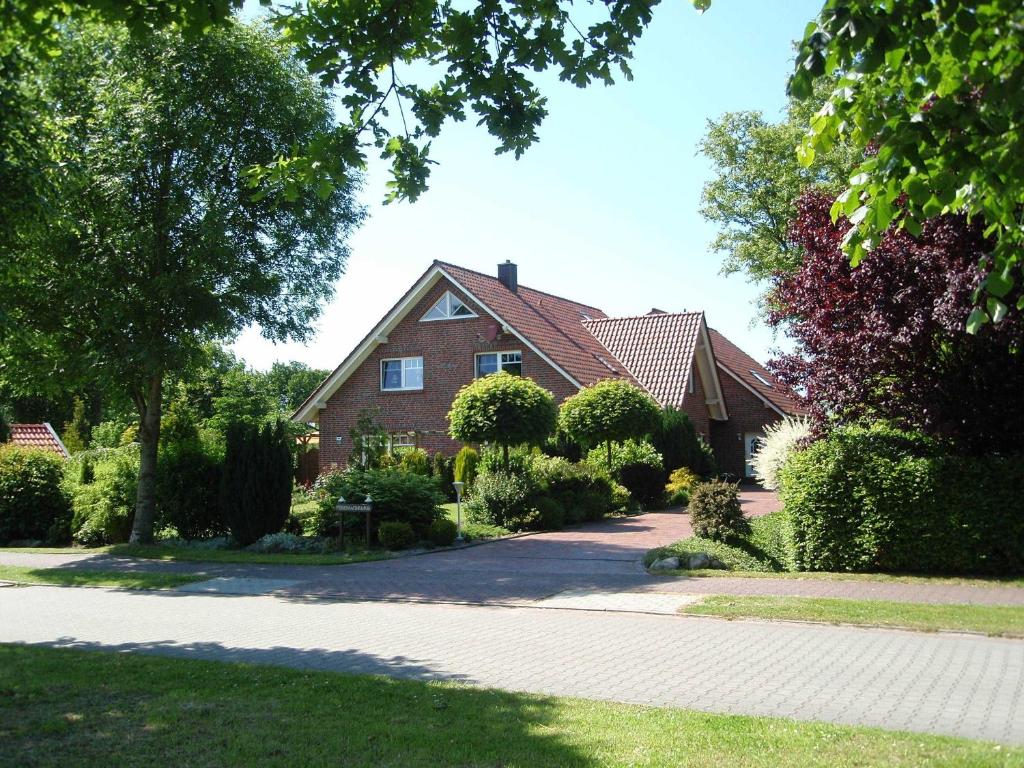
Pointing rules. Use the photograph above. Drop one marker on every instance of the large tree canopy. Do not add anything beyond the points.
(935, 90)
(887, 339)
(155, 244)
(757, 180)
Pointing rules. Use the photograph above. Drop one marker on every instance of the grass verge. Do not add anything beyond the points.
(997, 620)
(149, 710)
(70, 577)
(197, 555)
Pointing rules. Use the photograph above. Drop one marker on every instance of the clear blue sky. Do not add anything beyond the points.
(603, 209)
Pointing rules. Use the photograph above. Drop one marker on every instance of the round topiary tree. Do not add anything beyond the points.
(609, 411)
(503, 409)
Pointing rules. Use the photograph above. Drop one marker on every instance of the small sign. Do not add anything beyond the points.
(339, 507)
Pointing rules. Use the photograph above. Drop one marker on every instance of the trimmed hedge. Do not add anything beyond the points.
(32, 502)
(880, 499)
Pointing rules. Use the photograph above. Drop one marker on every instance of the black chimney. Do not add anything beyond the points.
(508, 274)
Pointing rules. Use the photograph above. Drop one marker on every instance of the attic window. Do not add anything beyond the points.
(761, 378)
(448, 307)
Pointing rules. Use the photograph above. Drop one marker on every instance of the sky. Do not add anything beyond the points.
(602, 210)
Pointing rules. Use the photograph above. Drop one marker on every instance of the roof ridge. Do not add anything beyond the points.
(644, 316)
(521, 286)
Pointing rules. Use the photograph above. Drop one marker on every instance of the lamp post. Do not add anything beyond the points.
(458, 509)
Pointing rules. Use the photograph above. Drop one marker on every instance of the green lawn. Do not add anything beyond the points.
(74, 708)
(473, 531)
(188, 554)
(84, 578)
(979, 581)
(988, 619)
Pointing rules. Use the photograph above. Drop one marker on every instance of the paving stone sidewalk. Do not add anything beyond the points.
(947, 684)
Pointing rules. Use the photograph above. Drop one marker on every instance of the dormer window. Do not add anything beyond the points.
(761, 378)
(448, 307)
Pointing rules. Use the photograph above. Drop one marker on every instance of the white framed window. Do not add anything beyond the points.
(401, 441)
(493, 362)
(401, 373)
(448, 307)
(760, 378)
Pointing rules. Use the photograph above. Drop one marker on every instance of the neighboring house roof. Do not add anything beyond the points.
(38, 436)
(746, 370)
(660, 350)
(553, 324)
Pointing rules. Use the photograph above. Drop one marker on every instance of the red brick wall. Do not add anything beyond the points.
(695, 405)
(747, 413)
(447, 348)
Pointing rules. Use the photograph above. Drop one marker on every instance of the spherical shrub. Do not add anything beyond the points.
(442, 532)
(395, 535)
(32, 503)
(715, 511)
(503, 499)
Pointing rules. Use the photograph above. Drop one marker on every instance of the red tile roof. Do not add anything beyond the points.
(657, 349)
(38, 436)
(743, 366)
(552, 324)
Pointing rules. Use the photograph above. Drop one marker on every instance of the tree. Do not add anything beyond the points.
(758, 178)
(291, 383)
(403, 70)
(886, 340)
(76, 433)
(934, 91)
(610, 411)
(155, 245)
(503, 409)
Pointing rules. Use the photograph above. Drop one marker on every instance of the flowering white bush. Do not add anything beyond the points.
(780, 440)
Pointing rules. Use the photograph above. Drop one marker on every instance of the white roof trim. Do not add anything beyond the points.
(707, 370)
(55, 436)
(768, 403)
(512, 330)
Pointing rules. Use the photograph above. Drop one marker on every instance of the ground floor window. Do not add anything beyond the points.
(493, 362)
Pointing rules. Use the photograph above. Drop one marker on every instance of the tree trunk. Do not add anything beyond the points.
(608, 443)
(504, 453)
(150, 406)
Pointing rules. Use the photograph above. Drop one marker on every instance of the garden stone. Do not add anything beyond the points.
(698, 560)
(666, 564)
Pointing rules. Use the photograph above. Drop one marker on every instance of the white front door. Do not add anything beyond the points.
(751, 443)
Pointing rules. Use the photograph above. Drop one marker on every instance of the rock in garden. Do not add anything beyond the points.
(698, 560)
(665, 564)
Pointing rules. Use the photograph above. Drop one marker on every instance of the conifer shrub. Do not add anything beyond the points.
(715, 511)
(256, 485)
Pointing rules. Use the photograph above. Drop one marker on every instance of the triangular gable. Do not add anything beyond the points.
(448, 307)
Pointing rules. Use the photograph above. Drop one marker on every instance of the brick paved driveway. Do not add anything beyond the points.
(950, 684)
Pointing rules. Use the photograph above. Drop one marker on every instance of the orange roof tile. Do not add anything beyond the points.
(38, 436)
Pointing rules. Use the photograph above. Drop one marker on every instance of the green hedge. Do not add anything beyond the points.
(33, 505)
(883, 500)
(103, 484)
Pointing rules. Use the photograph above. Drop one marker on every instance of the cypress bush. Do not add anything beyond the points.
(466, 462)
(881, 499)
(188, 490)
(256, 486)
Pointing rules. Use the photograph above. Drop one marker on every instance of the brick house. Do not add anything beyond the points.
(455, 324)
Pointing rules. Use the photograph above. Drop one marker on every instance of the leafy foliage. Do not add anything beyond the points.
(153, 246)
(442, 532)
(780, 440)
(625, 453)
(679, 485)
(582, 491)
(757, 180)
(679, 444)
(715, 511)
(256, 485)
(609, 411)
(933, 90)
(880, 499)
(103, 506)
(188, 489)
(503, 409)
(887, 339)
(417, 461)
(504, 499)
(397, 496)
(32, 502)
(76, 433)
(395, 535)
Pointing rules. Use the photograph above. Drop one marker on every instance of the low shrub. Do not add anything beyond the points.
(583, 491)
(442, 469)
(715, 511)
(188, 490)
(415, 460)
(466, 461)
(626, 452)
(442, 532)
(771, 534)
(645, 483)
(33, 504)
(395, 535)
(256, 483)
(637, 465)
(286, 543)
(881, 499)
(550, 514)
(103, 509)
(397, 496)
(680, 482)
(780, 440)
(503, 499)
(621, 500)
